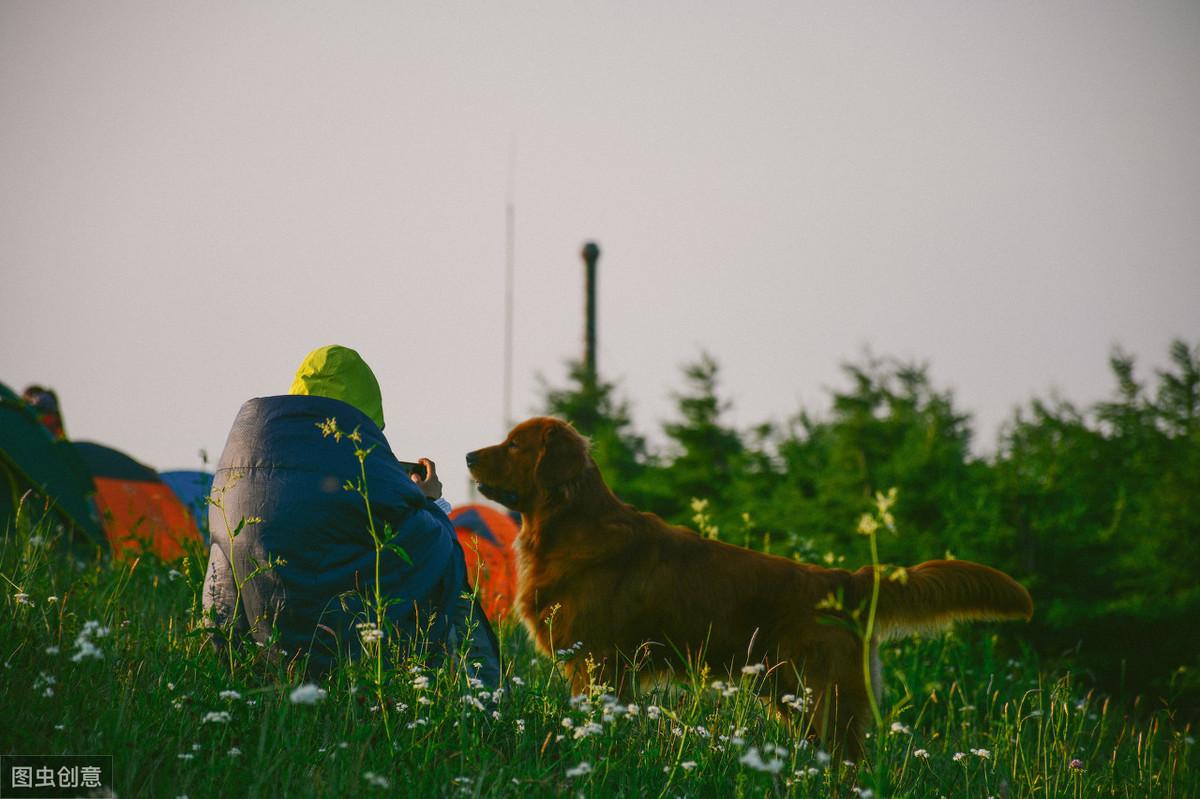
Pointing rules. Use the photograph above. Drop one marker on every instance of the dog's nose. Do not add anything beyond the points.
(472, 459)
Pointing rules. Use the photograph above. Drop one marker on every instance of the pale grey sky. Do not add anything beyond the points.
(194, 195)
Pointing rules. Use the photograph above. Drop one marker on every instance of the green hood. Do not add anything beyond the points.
(340, 373)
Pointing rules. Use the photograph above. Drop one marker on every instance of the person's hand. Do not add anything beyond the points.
(431, 486)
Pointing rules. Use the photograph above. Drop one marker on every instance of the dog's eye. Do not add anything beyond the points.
(513, 445)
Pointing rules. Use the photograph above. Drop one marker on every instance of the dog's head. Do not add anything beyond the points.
(538, 460)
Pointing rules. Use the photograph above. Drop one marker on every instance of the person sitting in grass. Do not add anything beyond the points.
(284, 504)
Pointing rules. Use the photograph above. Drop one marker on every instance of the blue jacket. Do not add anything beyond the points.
(277, 466)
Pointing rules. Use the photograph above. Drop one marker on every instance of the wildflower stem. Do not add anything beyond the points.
(869, 634)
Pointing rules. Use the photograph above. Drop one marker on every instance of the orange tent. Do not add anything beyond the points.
(138, 510)
(487, 536)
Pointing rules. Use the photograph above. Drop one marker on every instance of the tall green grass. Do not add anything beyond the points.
(963, 717)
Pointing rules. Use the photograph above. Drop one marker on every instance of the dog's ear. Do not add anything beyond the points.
(562, 458)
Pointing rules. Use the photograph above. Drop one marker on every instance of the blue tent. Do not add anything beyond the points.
(192, 488)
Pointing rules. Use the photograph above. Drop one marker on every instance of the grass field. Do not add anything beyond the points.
(107, 659)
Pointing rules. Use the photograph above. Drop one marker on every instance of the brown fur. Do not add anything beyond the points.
(646, 597)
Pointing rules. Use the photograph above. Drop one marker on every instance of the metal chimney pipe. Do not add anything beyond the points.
(591, 254)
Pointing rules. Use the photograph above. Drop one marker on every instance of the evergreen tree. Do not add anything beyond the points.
(706, 457)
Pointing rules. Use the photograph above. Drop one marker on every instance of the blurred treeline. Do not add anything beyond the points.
(1096, 510)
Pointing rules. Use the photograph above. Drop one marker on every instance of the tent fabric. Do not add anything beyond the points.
(139, 511)
(487, 537)
(31, 460)
(102, 461)
(340, 373)
(278, 468)
(192, 487)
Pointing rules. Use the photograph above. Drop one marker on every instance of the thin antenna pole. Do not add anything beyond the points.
(509, 266)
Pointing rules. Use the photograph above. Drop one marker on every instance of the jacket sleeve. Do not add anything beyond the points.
(221, 617)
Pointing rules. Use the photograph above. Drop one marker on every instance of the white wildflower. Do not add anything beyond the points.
(823, 757)
(517, 681)
(231, 696)
(472, 701)
(307, 694)
(94, 629)
(578, 771)
(22, 598)
(421, 683)
(520, 724)
(653, 712)
(798, 703)
(86, 649)
(754, 668)
(376, 780)
(900, 729)
(633, 710)
(591, 728)
(234, 752)
(369, 633)
(959, 757)
(216, 717)
(921, 753)
(754, 760)
(982, 753)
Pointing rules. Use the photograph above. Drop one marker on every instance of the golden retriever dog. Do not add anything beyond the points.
(644, 598)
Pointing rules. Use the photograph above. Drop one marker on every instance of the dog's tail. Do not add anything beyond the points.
(937, 593)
